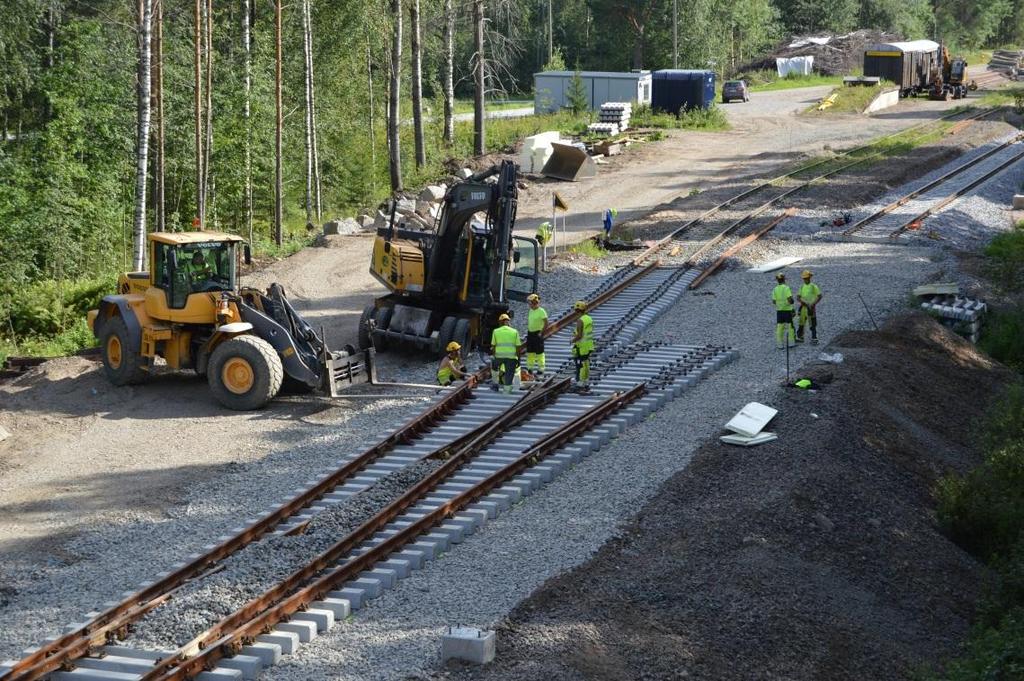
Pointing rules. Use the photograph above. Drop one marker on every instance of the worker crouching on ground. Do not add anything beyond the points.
(536, 325)
(782, 299)
(583, 345)
(505, 345)
(809, 297)
(451, 368)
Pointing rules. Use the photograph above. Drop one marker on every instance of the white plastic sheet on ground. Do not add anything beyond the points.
(800, 66)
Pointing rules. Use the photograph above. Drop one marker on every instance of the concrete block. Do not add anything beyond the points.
(468, 645)
(370, 586)
(287, 641)
(269, 654)
(113, 663)
(387, 577)
(249, 665)
(220, 674)
(415, 558)
(305, 630)
(323, 619)
(1018, 201)
(339, 606)
(6, 666)
(123, 651)
(83, 674)
(401, 568)
(433, 193)
(353, 596)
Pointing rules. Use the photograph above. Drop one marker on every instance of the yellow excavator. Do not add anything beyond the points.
(949, 78)
(189, 311)
(452, 282)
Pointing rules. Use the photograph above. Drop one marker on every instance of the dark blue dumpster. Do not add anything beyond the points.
(674, 89)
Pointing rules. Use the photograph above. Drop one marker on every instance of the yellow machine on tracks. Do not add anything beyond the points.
(452, 283)
(189, 311)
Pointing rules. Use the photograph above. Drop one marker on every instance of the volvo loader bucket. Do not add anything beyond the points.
(569, 163)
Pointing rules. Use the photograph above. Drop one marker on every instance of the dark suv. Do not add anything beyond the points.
(735, 89)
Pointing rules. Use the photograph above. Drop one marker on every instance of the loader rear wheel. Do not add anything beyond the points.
(121, 362)
(244, 373)
(382, 318)
(445, 334)
(461, 335)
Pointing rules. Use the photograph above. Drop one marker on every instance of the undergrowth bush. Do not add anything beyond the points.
(47, 308)
(1003, 337)
(1006, 260)
(711, 118)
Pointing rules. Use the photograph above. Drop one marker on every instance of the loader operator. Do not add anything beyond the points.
(198, 270)
(451, 368)
(583, 345)
(536, 324)
(505, 350)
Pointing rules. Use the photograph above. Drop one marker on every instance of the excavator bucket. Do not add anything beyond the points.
(569, 163)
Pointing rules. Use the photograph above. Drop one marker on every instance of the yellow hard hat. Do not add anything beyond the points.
(580, 305)
(503, 317)
(533, 297)
(806, 274)
(453, 347)
(780, 276)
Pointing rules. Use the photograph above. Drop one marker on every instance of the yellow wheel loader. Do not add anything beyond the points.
(189, 311)
(452, 282)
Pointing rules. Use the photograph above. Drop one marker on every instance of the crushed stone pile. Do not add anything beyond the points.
(260, 566)
(834, 55)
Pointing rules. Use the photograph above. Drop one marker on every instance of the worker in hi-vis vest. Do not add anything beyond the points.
(505, 350)
(451, 368)
(782, 299)
(583, 344)
(808, 296)
(536, 325)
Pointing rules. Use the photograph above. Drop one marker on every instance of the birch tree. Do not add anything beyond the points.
(479, 66)
(449, 72)
(247, 112)
(278, 125)
(143, 91)
(394, 99)
(198, 110)
(417, 83)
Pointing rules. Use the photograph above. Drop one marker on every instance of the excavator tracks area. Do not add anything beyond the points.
(348, 546)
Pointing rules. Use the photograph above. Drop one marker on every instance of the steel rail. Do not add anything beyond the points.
(906, 198)
(564, 321)
(184, 658)
(227, 644)
(954, 196)
(101, 628)
(737, 247)
(661, 243)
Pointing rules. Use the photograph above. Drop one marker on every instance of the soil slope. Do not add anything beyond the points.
(812, 557)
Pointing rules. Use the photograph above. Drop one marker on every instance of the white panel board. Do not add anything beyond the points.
(751, 419)
(743, 441)
(774, 265)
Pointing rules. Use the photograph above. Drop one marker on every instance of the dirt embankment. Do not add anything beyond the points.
(812, 557)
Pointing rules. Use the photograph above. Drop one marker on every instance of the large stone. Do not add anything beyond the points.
(343, 226)
(464, 174)
(433, 193)
(365, 221)
(1018, 201)
(468, 645)
(4, 433)
(381, 221)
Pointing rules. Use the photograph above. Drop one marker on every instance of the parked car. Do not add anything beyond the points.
(735, 89)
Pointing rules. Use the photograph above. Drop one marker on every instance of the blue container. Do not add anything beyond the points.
(675, 89)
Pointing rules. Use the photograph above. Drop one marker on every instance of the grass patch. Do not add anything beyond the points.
(796, 81)
(1003, 337)
(709, 119)
(466, 105)
(1005, 255)
(589, 248)
(848, 100)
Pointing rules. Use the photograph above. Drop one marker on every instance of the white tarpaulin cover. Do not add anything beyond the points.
(800, 66)
(812, 41)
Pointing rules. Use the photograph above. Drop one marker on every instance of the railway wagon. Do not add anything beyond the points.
(909, 65)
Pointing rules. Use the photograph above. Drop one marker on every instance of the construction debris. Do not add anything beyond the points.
(613, 118)
(748, 424)
(1007, 61)
(833, 55)
(961, 314)
(569, 162)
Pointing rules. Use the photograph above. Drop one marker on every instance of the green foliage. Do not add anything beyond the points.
(711, 118)
(758, 83)
(849, 100)
(578, 102)
(1006, 260)
(1003, 337)
(993, 652)
(556, 62)
(48, 307)
(589, 248)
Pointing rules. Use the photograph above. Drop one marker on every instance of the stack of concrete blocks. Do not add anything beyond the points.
(613, 118)
(536, 151)
(961, 314)
(1008, 61)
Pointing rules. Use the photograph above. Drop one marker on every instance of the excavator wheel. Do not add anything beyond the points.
(364, 325)
(445, 334)
(244, 373)
(121, 362)
(382, 318)
(461, 335)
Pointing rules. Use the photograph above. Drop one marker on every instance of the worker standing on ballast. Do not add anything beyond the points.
(782, 299)
(583, 344)
(505, 345)
(536, 325)
(451, 367)
(809, 296)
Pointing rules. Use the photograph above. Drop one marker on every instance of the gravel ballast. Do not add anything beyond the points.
(250, 572)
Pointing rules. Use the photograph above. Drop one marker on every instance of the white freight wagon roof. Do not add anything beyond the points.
(912, 46)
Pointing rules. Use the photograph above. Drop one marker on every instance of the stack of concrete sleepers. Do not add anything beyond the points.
(963, 315)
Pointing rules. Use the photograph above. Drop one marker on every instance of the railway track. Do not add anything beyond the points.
(910, 210)
(702, 242)
(473, 453)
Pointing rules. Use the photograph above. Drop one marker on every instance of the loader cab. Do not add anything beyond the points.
(188, 263)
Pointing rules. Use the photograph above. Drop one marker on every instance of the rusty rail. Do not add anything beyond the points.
(737, 247)
(102, 628)
(562, 322)
(226, 637)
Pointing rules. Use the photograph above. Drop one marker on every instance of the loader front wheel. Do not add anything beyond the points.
(244, 373)
(365, 340)
(121, 362)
